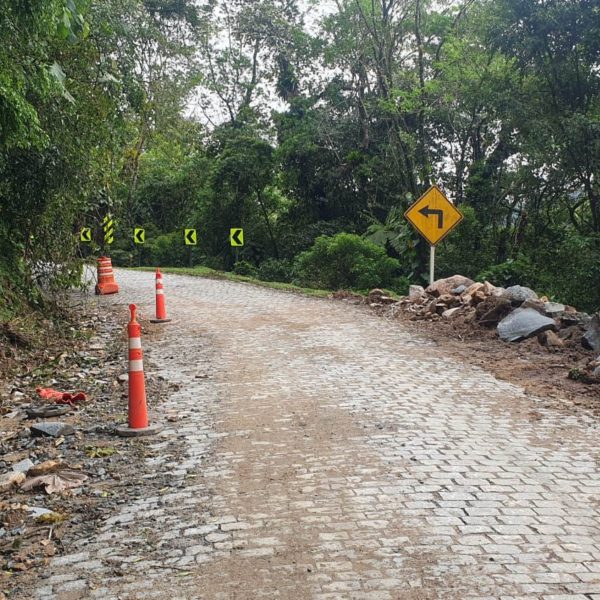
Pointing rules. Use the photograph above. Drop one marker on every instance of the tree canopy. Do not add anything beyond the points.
(296, 120)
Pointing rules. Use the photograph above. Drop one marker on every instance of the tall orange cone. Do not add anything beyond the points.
(138, 413)
(106, 277)
(161, 309)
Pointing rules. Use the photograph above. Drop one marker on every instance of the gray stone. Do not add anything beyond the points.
(459, 290)
(22, 466)
(523, 323)
(591, 338)
(554, 309)
(36, 511)
(517, 294)
(52, 429)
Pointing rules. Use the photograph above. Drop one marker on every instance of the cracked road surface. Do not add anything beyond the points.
(329, 454)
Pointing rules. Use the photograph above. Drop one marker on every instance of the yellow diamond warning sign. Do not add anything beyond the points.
(433, 215)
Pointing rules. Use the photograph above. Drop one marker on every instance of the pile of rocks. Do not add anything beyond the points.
(516, 312)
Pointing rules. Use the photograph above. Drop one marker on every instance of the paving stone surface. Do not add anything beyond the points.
(329, 454)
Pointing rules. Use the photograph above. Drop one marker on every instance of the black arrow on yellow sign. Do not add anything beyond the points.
(236, 236)
(139, 235)
(191, 239)
(86, 234)
(426, 212)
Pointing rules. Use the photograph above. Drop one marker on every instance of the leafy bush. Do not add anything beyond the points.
(346, 261)
(569, 269)
(243, 267)
(512, 272)
(167, 250)
(274, 269)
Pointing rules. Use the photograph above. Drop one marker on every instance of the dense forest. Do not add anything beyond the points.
(312, 125)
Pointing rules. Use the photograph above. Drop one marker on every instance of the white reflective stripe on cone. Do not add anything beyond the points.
(136, 365)
(135, 343)
(160, 292)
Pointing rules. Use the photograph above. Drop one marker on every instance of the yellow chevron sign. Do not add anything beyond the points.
(139, 235)
(236, 236)
(190, 236)
(85, 235)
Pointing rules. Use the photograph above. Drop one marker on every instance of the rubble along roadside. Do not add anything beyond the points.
(62, 469)
(550, 349)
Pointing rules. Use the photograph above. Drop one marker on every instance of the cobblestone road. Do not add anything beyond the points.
(330, 454)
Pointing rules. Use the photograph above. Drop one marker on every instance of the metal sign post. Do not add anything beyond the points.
(236, 239)
(190, 237)
(431, 264)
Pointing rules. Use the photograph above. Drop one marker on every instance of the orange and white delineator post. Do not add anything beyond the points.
(161, 309)
(106, 277)
(137, 409)
(138, 413)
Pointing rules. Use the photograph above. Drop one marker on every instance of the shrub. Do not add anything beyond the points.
(346, 261)
(274, 269)
(512, 272)
(167, 249)
(243, 267)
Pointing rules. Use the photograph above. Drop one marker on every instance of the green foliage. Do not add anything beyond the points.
(499, 104)
(243, 267)
(397, 236)
(512, 272)
(273, 269)
(346, 261)
(468, 249)
(167, 249)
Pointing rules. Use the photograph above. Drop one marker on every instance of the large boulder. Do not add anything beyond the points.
(492, 310)
(524, 323)
(591, 338)
(517, 294)
(445, 286)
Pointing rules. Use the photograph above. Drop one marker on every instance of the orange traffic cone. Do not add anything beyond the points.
(161, 309)
(106, 278)
(138, 413)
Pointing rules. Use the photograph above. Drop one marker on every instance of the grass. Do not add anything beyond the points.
(200, 271)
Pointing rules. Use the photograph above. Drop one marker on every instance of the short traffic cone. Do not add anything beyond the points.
(138, 413)
(161, 309)
(106, 277)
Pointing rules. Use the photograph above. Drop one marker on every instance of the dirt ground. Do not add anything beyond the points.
(76, 351)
